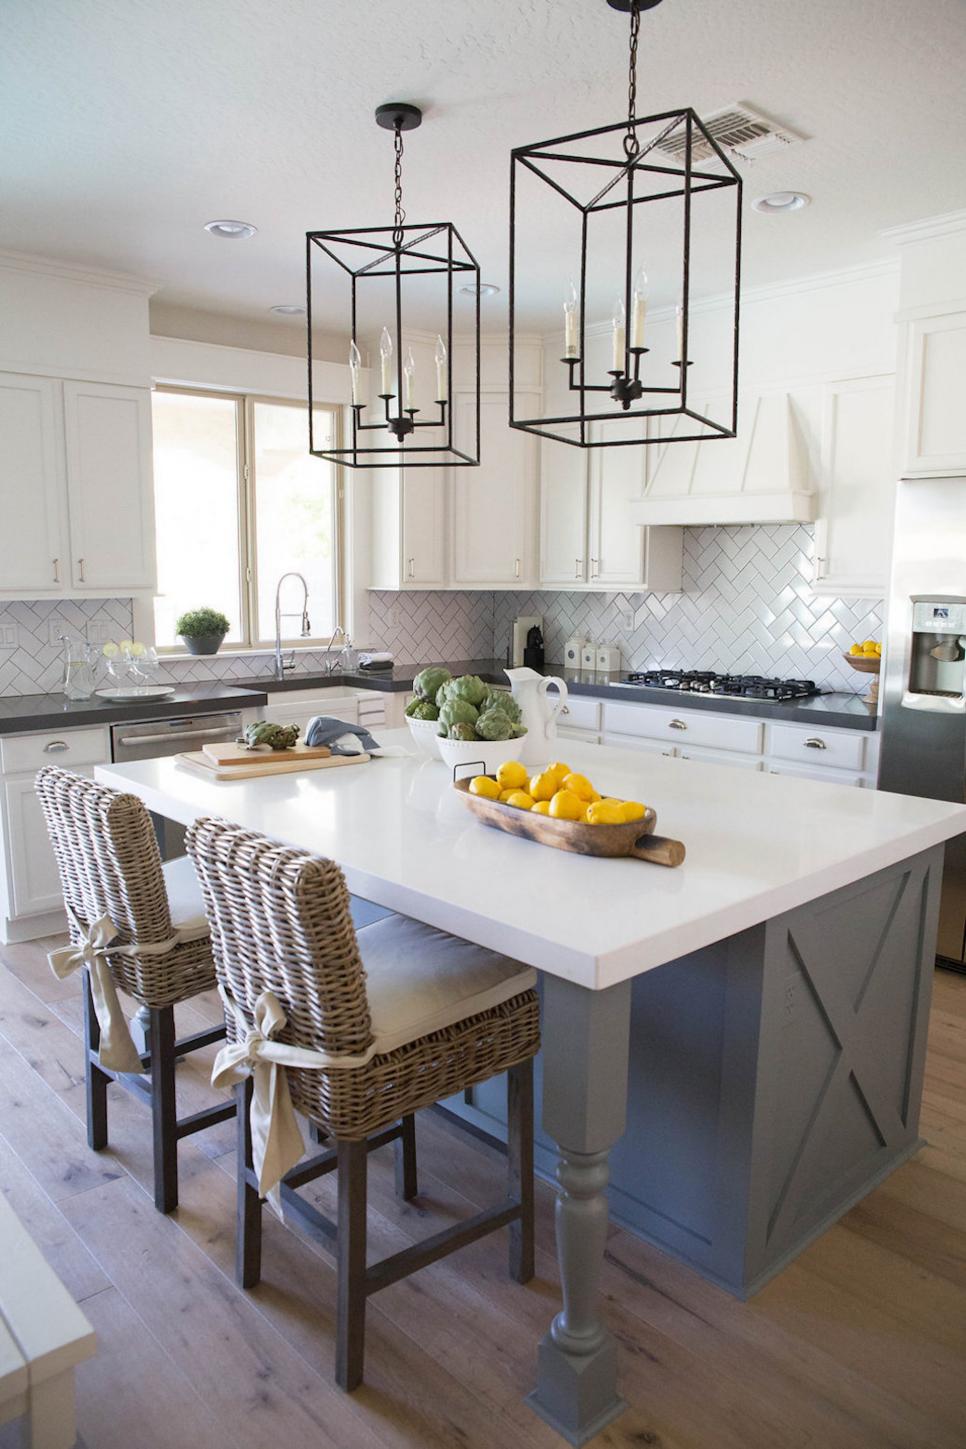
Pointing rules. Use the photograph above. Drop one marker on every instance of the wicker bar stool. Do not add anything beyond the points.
(356, 1031)
(138, 925)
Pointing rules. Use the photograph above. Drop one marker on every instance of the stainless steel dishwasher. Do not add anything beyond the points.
(180, 734)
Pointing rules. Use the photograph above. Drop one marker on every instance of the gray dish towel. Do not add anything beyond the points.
(345, 739)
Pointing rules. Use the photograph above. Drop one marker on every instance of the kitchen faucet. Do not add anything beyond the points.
(331, 663)
(280, 668)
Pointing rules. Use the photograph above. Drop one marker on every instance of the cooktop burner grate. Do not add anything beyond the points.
(728, 686)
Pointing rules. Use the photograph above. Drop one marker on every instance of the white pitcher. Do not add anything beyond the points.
(539, 711)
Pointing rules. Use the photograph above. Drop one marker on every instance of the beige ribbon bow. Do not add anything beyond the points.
(117, 1051)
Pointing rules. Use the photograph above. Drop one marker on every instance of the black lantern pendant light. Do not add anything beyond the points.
(628, 189)
(385, 267)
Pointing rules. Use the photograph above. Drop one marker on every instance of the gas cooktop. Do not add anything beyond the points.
(726, 686)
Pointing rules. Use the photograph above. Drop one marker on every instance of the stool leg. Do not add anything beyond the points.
(95, 1080)
(519, 1090)
(405, 1149)
(350, 1342)
(248, 1221)
(163, 1109)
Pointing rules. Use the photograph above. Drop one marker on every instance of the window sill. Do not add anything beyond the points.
(239, 652)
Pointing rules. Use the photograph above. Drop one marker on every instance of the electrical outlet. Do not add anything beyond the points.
(392, 616)
(9, 637)
(98, 631)
(56, 626)
(626, 616)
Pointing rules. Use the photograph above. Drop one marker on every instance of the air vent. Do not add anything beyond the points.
(735, 128)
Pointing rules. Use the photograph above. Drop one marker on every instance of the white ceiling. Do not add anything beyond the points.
(126, 124)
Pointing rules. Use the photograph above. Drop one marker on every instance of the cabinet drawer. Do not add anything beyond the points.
(55, 747)
(638, 742)
(721, 757)
(831, 777)
(580, 714)
(685, 727)
(822, 748)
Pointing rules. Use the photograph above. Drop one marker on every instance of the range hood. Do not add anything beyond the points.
(759, 477)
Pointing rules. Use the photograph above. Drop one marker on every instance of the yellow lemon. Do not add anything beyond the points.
(632, 810)
(565, 805)
(855, 648)
(110, 651)
(544, 786)
(559, 770)
(868, 646)
(580, 786)
(605, 812)
(505, 794)
(512, 775)
(484, 786)
(520, 800)
(878, 650)
(540, 807)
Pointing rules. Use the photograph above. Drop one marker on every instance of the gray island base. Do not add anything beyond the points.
(739, 1100)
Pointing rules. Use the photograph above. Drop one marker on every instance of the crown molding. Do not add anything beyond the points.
(67, 272)
(925, 229)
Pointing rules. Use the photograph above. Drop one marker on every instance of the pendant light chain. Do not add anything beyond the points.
(631, 144)
(400, 217)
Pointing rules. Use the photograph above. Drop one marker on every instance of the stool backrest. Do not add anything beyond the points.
(107, 855)
(280, 922)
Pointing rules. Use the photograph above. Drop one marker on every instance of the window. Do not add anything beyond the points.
(239, 501)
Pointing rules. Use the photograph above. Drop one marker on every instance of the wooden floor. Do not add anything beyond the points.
(860, 1343)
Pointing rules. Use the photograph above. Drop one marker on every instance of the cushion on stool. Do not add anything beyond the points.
(420, 980)
(184, 899)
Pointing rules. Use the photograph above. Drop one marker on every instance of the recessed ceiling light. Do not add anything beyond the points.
(780, 203)
(231, 230)
(486, 289)
(288, 309)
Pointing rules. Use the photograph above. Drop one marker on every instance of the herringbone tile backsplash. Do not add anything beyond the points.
(746, 607)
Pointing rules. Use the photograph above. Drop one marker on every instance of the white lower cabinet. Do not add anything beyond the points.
(367, 707)
(34, 882)
(831, 777)
(639, 742)
(720, 757)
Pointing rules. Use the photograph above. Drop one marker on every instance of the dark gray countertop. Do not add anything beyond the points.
(23, 713)
(845, 711)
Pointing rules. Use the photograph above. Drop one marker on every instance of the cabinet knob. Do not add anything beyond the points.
(80, 570)
(56, 747)
(677, 724)
(815, 744)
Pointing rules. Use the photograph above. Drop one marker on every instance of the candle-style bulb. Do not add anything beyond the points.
(355, 362)
(385, 360)
(570, 322)
(442, 379)
(679, 326)
(409, 372)
(638, 308)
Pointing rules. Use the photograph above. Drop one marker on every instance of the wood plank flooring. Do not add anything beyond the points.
(860, 1344)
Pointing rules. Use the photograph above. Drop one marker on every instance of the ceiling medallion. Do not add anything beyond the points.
(385, 266)
(620, 182)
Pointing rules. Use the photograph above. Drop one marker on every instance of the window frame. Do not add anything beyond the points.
(246, 485)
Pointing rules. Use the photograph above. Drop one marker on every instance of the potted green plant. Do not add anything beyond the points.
(202, 630)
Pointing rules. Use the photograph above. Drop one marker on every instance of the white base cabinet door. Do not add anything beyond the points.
(34, 882)
(32, 512)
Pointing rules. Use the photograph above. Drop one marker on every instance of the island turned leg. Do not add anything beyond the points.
(585, 1046)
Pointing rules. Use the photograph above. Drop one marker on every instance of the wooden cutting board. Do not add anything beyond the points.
(199, 762)
(636, 838)
(229, 752)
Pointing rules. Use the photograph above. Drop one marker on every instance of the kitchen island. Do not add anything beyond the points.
(755, 1019)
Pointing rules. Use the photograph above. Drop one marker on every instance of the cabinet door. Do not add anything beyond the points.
(299, 712)
(853, 534)
(32, 494)
(33, 870)
(423, 528)
(493, 504)
(109, 474)
(564, 497)
(936, 418)
(616, 541)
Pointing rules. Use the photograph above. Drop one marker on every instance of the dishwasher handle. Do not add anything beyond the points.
(131, 740)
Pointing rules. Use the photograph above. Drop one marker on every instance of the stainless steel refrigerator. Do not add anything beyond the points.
(923, 750)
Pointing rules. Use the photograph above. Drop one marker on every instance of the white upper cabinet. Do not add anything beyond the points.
(564, 518)
(108, 440)
(935, 434)
(853, 534)
(761, 476)
(32, 543)
(424, 527)
(494, 505)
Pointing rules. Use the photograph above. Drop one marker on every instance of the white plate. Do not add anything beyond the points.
(137, 691)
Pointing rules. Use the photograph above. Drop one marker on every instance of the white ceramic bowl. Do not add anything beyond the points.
(490, 753)
(423, 732)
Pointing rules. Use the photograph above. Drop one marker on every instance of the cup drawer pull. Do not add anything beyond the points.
(677, 724)
(56, 747)
(815, 744)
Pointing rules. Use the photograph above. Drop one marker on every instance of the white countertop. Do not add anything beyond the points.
(758, 845)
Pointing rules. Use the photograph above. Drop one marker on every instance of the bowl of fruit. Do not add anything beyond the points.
(560, 807)
(867, 659)
(463, 721)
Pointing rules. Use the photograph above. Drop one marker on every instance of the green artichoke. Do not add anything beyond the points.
(428, 683)
(502, 700)
(462, 731)
(493, 725)
(470, 688)
(263, 732)
(456, 711)
(517, 731)
(422, 709)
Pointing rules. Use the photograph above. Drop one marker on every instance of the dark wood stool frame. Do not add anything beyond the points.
(347, 1235)
(158, 1091)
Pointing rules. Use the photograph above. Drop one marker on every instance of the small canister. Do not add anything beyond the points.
(588, 656)
(608, 659)
(573, 649)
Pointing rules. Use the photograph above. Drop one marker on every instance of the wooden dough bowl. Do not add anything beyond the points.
(636, 839)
